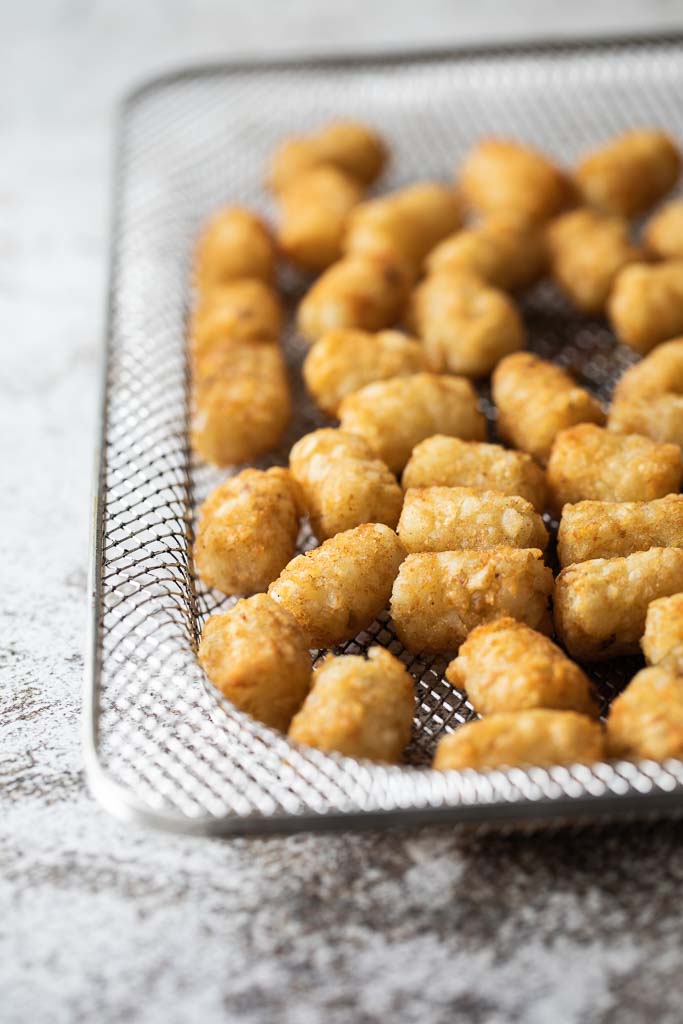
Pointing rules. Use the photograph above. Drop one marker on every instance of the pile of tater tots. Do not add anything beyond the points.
(413, 507)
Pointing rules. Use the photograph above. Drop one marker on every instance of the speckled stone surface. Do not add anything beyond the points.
(102, 922)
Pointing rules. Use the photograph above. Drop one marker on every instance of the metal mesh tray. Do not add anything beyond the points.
(161, 746)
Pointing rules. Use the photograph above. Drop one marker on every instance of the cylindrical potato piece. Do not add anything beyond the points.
(500, 176)
(340, 588)
(630, 173)
(648, 398)
(587, 251)
(256, 655)
(235, 243)
(604, 529)
(344, 361)
(357, 707)
(439, 597)
(662, 641)
(646, 720)
(394, 415)
(539, 738)
(657, 374)
(242, 403)
(589, 463)
(664, 232)
(314, 209)
(465, 325)
(503, 251)
(440, 461)
(342, 482)
(245, 310)
(458, 518)
(646, 304)
(247, 531)
(350, 146)
(600, 606)
(358, 291)
(536, 400)
(506, 666)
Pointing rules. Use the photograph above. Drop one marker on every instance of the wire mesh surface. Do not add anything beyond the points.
(161, 744)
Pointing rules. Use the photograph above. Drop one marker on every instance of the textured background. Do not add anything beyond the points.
(102, 922)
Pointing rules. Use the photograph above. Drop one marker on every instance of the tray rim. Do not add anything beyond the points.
(122, 802)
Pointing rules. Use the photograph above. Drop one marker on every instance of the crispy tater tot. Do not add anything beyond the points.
(350, 146)
(440, 461)
(338, 589)
(536, 400)
(648, 398)
(439, 597)
(358, 707)
(604, 529)
(538, 737)
(589, 463)
(503, 251)
(405, 224)
(507, 666)
(342, 482)
(358, 291)
(600, 605)
(500, 176)
(465, 325)
(241, 403)
(455, 518)
(645, 306)
(587, 251)
(394, 415)
(656, 374)
(235, 243)
(242, 310)
(664, 232)
(630, 173)
(247, 531)
(662, 641)
(256, 655)
(314, 209)
(344, 361)
(646, 719)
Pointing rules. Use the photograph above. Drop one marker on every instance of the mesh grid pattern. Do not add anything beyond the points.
(190, 142)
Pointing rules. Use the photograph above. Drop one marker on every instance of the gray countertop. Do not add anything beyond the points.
(99, 921)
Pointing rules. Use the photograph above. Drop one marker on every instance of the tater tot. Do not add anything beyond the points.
(358, 707)
(603, 529)
(358, 291)
(536, 400)
(256, 655)
(539, 737)
(500, 176)
(662, 641)
(506, 666)
(247, 531)
(648, 398)
(241, 405)
(439, 597)
(342, 482)
(242, 310)
(344, 361)
(587, 251)
(350, 146)
(645, 306)
(589, 463)
(600, 606)
(440, 461)
(502, 251)
(340, 588)
(235, 243)
(456, 518)
(314, 209)
(664, 232)
(656, 374)
(630, 173)
(465, 325)
(646, 720)
(394, 415)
